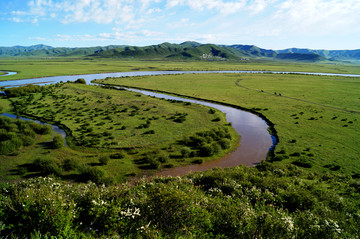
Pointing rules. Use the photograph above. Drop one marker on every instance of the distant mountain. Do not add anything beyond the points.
(186, 50)
(329, 54)
(251, 50)
(307, 57)
(43, 50)
(19, 50)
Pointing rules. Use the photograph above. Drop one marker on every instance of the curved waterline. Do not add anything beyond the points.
(249, 153)
(8, 73)
(55, 128)
(256, 141)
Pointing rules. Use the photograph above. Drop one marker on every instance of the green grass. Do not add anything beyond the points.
(102, 122)
(316, 117)
(41, 67)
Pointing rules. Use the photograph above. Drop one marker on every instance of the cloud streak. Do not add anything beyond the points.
(215, 21)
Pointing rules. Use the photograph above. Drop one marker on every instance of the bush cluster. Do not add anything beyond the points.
(261, 202)
(207, 143)
(16, 133)
(22, 90)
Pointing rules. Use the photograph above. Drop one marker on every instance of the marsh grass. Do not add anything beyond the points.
(119, 125)
(316, 117)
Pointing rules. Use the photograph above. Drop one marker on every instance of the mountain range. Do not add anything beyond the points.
(186, 50)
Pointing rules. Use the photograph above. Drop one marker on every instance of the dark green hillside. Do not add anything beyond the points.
(19, 50)
(329, 54)
(251, 50)
(43, 50)
(188, 50)
(190, 44)
(300, 57)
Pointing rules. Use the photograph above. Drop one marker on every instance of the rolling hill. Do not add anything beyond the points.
(186, 50)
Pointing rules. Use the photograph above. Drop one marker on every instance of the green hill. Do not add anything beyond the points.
(187, 50)
(300, 57)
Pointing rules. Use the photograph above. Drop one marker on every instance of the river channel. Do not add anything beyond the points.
(255, 139)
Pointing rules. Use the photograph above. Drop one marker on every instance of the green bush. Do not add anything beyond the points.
(27, 140)
(206, 150)
(185, 152)
(118, 155)
(58, 142)
(104, 160)
(9, 146)
(302, 163)
(47, 166)
(80, 81)
(41, 129)
(225, 143)
(96, 175)
(70, 164)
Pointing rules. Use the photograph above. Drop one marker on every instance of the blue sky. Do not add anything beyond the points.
(270, 24)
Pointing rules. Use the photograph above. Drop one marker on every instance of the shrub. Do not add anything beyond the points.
(70, 164)
(185, 152)
(104, 160)
(162, 157)
(47, 166)
(58, 142)
(95, 175)
(118, 155)
(10, 146)
(198, 161)
(154, 163)
(41, 129)
(80, 81)
(225, 143)
(27, 140)
(209, 149)
(302, 163)
(212, 111)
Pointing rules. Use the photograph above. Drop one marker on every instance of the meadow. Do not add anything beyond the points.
(309, 188)
(316, 117)
(120, 132)
(41, 67)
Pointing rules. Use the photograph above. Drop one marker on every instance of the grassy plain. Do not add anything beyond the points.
(119, 124)
(41, 67)
(317, 118)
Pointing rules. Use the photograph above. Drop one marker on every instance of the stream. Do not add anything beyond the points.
(255, 139)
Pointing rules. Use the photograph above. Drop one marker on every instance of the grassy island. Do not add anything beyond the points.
(122, 132)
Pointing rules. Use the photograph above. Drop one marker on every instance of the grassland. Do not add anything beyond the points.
(316, 117)
(131, 131)
(41, 67)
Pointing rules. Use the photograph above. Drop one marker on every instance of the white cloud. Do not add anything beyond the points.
(228, 7)
(183, 23)
(257, 6)
(80, 11)
(318, 16)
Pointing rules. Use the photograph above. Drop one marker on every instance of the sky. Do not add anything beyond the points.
(269, 24)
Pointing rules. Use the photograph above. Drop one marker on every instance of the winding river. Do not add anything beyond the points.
(255, 138)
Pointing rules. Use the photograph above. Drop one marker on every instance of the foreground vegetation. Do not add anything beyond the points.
(261, 202)
(115, 133)
(316, 117)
